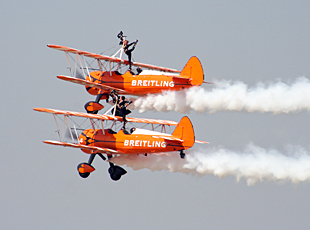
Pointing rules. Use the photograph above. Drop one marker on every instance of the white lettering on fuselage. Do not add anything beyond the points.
(152, 83)
(143, 143)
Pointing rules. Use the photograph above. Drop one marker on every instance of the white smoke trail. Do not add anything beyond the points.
(233, 96)
(254, 164)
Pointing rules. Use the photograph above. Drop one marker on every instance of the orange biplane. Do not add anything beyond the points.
(108, 76)
(98, 140)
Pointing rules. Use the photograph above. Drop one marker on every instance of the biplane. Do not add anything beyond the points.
(100, 137)
(109, 74)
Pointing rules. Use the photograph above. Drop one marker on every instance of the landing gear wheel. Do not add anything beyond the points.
(116, 172)
(84, 169)
(114, 176)
(84, 175)
(93, 107)
(182, 154)
(94, 112)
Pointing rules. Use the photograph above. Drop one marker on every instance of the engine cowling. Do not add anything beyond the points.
(87, 138)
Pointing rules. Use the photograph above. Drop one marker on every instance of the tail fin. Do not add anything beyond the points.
(185, 131)
(194, 71)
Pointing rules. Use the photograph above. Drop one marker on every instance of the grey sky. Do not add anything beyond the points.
(250, 41)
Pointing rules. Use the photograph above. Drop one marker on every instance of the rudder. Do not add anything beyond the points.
(185, 131)
(194, 71)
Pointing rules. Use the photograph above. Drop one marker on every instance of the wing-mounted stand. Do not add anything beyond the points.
(122, 38)
(120, 52)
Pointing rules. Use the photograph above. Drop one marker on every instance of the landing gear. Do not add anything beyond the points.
(116, 172)
(85, 169)
(182, 154)
(93, 107)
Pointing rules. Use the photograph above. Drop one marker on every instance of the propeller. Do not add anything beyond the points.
(75, 135)
(78, 74)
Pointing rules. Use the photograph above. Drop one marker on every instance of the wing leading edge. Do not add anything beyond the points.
(110, 59)
(106, 117)
(92, 84)
(79, 146)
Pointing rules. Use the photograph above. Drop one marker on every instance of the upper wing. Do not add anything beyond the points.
(151, 121)
(79, 146)
(111, 59)
(106, 117)
(153, 67)
(87, 54)
(77, 114)
(92, 84)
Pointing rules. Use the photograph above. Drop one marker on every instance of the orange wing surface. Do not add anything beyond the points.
(111, 59)
(79, 146)
(91, 84)
(106, 117)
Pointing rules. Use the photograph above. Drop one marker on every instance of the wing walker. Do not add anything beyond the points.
(104, 134)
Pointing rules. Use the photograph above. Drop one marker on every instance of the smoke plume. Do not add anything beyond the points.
(254, 164)
(233, 96)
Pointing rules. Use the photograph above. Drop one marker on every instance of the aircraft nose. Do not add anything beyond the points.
(86, 137)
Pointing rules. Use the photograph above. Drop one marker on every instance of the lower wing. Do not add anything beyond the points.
(92, 84)
(79, 146)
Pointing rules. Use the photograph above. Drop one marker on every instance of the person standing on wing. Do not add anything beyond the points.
(128, 51)
(123, 103)
(126, 46)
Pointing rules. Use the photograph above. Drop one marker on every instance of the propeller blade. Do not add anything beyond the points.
(75, 135)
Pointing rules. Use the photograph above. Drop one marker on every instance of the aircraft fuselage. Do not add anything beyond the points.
(137, 84)
(128, 143)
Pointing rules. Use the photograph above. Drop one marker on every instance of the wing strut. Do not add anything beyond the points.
(66, 119)
(69, 63)
(58, 130)
(102, 127)
(86, 68)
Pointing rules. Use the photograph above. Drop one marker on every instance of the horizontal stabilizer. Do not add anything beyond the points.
(170, 138)
(201, 142)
